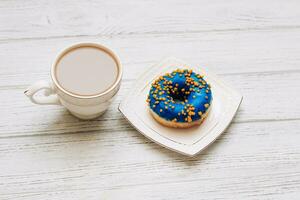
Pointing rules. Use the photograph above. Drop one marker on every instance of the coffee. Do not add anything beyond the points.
(86, 71)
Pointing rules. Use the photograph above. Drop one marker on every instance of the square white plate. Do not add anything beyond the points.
(188, 141)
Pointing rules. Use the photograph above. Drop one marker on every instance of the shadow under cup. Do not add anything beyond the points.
(86, 77)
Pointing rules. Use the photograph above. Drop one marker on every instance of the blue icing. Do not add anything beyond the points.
(181, 91)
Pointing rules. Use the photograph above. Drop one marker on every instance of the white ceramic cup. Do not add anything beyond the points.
(82, 106)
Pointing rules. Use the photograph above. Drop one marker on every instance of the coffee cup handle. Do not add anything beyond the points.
(49, 97)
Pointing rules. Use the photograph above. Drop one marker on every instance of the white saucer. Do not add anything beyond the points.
(189, 141)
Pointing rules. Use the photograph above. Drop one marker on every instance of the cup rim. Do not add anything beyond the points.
(87, 44)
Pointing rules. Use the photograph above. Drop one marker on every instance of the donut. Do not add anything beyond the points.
(180, 99)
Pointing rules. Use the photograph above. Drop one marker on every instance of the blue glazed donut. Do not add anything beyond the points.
(180, 99)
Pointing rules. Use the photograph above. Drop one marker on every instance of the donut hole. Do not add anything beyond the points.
(178, 95)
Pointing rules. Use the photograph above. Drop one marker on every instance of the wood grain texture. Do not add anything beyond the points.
(43, 19)
(258, 160)
(45, 153)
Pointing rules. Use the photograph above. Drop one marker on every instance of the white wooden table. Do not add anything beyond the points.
(45, 153)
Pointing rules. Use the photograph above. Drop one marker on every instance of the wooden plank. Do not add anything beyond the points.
(250, 161)
(267, 97)
(43, 19)
(24, 62)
